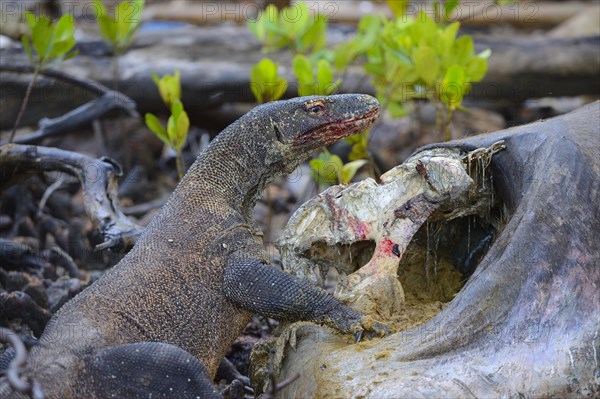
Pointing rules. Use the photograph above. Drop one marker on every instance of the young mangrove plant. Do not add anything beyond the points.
(178, 124)
(118, 30)
(47, 45)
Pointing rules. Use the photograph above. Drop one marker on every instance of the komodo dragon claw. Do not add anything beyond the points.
(371, 329)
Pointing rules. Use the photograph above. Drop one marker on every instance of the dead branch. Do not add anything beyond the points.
(98, 181)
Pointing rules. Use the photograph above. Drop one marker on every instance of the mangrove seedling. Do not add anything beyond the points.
(178, 124)
(47, 45)
(118, 30)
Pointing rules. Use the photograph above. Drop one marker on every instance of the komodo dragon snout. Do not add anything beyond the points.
(159, 322)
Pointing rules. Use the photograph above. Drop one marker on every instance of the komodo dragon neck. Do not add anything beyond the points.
(228, 177)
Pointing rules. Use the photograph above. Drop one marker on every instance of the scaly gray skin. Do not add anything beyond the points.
(162, 319)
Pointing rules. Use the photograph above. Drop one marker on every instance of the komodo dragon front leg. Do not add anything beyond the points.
(264, 289)
(159, 323)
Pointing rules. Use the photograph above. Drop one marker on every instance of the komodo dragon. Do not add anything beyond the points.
(159, 323)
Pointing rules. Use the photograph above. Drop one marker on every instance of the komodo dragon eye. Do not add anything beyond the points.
(315, 108)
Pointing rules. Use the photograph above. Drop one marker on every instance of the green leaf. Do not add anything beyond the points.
(172, 131)
(179, 125)
(463, 49)
(27, 48)
(183, 127)
(60, 49)
(107, 26)
(56, 61)
(398, 7)
(257, 29)
(71, 55)
(175, 85)
(264, 82)
(274, 35)
(315, 36)
(303, 71)
(64, 37)
(476, 69)
(348, 171)
(99, 8)
(427, 64)
(315, 166)
(344, 54)
(31, 20)
(42, 36)
(173, 124)
(454, 86)
(128, 17)
(65, 28)
(294, 19)
(449, 6)
(271, 14)
(449, 35)
(327, 167)
(118, 30)
(279, 89)
(51, 42)
(325, 80)
(424, 28)
(169, 87)
(108, 29)
(156, 127)
(360, 143)
(257, 83)
(369, 23)
(155, 78)
(260, 74)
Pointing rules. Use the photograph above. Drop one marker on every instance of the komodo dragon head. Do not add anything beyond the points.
(284, 133)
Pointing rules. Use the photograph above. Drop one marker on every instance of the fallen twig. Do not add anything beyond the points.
(98, 181)
(276, 387)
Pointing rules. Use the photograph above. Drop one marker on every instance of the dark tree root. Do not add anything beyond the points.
(98, 181)
(18, 304)
(19, 257)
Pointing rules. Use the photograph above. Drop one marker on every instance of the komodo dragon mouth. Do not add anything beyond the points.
(334, 131)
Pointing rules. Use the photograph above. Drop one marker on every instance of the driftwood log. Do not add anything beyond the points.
(526, 322)
(215, 65)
